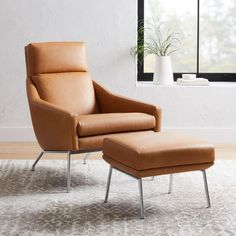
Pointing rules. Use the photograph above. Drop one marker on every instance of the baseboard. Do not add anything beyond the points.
(215, 135)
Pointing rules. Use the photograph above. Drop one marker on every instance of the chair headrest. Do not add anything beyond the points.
(54, 57)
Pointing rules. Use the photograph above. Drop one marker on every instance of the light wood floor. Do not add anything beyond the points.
(30, 150)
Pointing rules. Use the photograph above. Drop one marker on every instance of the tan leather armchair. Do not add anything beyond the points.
(72, 113)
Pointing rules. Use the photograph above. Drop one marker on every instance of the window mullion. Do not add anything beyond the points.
(198, 30)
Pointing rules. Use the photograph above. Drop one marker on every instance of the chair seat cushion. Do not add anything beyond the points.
(158, 150)
(105, 123)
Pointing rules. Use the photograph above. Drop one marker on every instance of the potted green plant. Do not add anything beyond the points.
(157, 40)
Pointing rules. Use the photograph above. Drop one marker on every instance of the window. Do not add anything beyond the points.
(208, 37)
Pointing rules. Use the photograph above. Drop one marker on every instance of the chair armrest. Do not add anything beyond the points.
(54, 127)
(109, 102)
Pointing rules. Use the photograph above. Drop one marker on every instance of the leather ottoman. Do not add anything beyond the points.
(151, 154)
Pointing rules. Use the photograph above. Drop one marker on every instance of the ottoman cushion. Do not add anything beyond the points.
(158, 150)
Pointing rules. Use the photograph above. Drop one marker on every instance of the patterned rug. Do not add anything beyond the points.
(35, 203)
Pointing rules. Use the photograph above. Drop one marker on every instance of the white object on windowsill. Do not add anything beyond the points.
(189, 76)
(193, 82)
(163, 74)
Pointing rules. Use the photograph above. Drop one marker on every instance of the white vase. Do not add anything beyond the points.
(163, 73)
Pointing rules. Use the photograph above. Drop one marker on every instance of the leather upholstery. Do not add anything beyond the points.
(109, 102)
(96, 141)
(113, 123)
(66, 105)
(55, 57)
(54, 127)
(156, 171)
(158, 150)
(72, 90)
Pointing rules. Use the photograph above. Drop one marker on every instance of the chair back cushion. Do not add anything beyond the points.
(60, 74)
(73, 91)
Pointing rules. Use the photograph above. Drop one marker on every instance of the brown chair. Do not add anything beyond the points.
(72, 113)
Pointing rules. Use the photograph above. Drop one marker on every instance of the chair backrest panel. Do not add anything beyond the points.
(72, 91)
(59, 72)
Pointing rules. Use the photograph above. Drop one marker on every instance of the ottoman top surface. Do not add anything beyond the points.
(156, 150)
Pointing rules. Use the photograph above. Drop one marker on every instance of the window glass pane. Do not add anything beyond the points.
(181, 17)
(217, 36)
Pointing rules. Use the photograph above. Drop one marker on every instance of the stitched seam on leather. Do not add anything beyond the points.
(124, 164)
(164, 167)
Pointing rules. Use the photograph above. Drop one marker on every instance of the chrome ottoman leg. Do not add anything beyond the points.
(170, 183)
(141, 198)
(108, 184)
(206, 189)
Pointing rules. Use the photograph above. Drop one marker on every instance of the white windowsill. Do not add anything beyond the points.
(174, 85)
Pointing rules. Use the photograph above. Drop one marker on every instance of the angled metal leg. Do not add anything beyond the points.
(35, 163)
(141, 198)
(170, 183)
(206, 188)
(68, 177)
(108, 184)
(85, 158)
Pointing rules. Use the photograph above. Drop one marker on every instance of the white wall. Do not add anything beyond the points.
(109, 29)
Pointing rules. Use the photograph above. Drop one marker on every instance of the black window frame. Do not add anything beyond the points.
(214, 77)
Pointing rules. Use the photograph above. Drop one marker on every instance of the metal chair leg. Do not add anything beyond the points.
(170, 183)
(206, 189)
(68, 177)
(35, 163)
(141, 198)
(108, 184)
(85, 158)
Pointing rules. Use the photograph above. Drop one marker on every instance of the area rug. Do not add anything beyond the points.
(35, 203)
